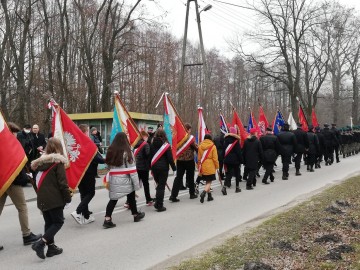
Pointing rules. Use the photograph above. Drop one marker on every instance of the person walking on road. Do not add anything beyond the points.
(53, 194)
(161, 159)
(330, 141)
(320, 153)
(208, 163)
(301, 148)
(185, 164)
(337, 142)
(288, 143)
(17, 196)
(122, 179)
(252, 153)
(313, 149)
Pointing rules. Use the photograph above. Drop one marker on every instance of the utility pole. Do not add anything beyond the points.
(183, 64)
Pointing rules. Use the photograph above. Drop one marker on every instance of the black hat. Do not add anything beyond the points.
(27, 126)
(326, 125)
(334, 125)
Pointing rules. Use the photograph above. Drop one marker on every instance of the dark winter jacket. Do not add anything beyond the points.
(22, 179)
(288, 142)
(39, 140)
(252, 153)
(165, 160)
(235, 156)
(313, 143)
(143, 157)
(321, 140)
(337, 142)
(271, 147)
(54, 191)
(27, 142)
(219, 143)
(91, 171)
(302, 141)
(329, 137)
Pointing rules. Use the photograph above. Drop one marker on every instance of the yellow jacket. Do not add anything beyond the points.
(211, 163)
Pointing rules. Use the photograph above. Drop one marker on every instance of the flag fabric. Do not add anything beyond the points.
(302, 120)
(78, 148)
(291, 122)
(12, 157)
(314, 120)
(202, 130)
(122, 122)
(253, 124)
(278, 122)
(223, 125)
(236, 122)
(263, 122)
(173, 125)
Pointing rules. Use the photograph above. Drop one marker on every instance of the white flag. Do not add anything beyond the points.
(292, 122)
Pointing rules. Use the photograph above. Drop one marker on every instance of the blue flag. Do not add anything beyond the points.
(278, 123)
(250, 124)
(223, 125)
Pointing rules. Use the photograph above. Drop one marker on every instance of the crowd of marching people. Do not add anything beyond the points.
(217, 158)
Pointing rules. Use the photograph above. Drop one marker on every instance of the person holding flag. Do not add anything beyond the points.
(288, 143)
(161, 158)
(185, 164)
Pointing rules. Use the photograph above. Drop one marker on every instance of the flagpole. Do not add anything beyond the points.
(157, 105)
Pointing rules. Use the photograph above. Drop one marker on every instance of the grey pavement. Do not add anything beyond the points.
(161, 239)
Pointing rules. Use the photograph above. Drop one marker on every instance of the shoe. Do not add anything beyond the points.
(139, 216)
(108, 224)
(284, 177)
(182, 188)
(254, 184)
(272, 178)
(88, 220)
(126, 205)
(39, 247)
(337, 161)
(161, 209)
(1, 247)
(237, 190)
(53, 250)
(202, 196)
(223, 191)
(257, 174)
(308, 168)
(174, 199)
(249, 188)
(297, 173)
(31, 238)
(210, 197)
(78, 217)
(265, 182)
(193, 196)
(150, 203)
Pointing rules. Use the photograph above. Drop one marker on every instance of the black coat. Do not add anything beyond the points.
(142, 158)
(27, 142)
(219, 142)
(302, 141)
(234, 157)
(252, 153)
(321, 140)
(288, 142)
(39, 140)
(337, 142)
(271, 147)
(313, 143)
(329, 137)
(165, 160)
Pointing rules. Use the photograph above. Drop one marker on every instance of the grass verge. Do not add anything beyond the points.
(321, 233)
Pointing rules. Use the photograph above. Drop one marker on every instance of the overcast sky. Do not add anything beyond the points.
(218, 24)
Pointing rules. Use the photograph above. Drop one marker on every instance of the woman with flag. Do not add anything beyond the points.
(161, 159)
(122, 179)
(208, 163)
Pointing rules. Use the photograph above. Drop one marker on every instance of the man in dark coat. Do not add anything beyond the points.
(219, 143)
(320, 153)
(232, 159)
(302, 146)
(39, 141)
(288, 143)
(337, 142)
(329, 138)
(252, 154)
(27, 142)
(271, 148)
(313, 149)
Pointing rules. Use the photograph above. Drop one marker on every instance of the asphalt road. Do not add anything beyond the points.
(157, 241)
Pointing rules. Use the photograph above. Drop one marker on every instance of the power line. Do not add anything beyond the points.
(233, 4)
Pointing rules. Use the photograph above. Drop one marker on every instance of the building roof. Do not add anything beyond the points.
(109, 115)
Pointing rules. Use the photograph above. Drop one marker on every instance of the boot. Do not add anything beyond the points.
(108, 224)
(272, 178)
(53, 250)
(39, 247)
(139, 216)
(297, 172)
(265, 181)
(202, 196)
(284, 176)
(308, 168)
(312, 168)
(193, 196)
(31, 238)
(223, 190)
(174, 199)
(210, 197)
(237, 190)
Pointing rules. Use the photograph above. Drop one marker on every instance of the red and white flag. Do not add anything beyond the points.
(263, 122)
(236, 122)
(77, 146)
(201, 126)
(12, 156)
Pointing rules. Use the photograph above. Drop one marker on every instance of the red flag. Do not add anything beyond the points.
(302, 119)
(314, 120)
(202, 130)
(240, 127)
(12, 157)
(78, 148)
(263, 122)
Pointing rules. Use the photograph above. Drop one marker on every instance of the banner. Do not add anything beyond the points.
(236, 122)
(78, 148)
(291, 122)
(122, 122)
(263, 122)
(201, 126)
(173, 125)
(12, 156)
(278, 122)
(223, 125)
(302, 120)
(252, 124)
(314, 120)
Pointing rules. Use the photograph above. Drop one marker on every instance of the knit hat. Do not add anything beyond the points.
(233, 130)
(93, 129)
(253, 131)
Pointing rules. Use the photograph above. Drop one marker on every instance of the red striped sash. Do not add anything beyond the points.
(229, 148)
(185, 146)
(41, 176)
(160, 153)
(204, 157)
(137, 150)
(118, 171)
